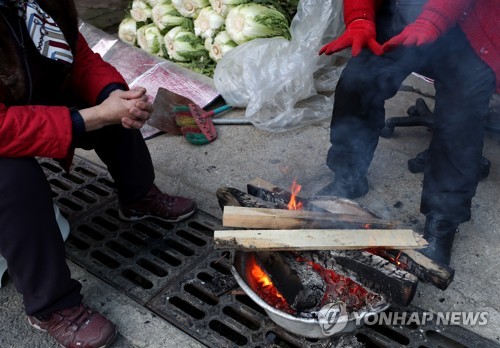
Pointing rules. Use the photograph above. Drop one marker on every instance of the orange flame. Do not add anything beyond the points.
(262, 278)
(293, 204)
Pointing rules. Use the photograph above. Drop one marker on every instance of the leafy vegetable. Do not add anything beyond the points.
(140, 11)
(190, 8)
(251, 21)
(222, 7)
(208, 22)
(183, 45)
(219, 45)
(150, 39)
(165, 16)
(127, 31)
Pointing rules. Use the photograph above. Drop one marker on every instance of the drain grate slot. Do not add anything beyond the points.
(137, 279)
(153, 268)
(201, 295)
(441, 340)
(105, 259)
(191, 238)
(120, 249)
(187, 308)
(273, 338)
(393, 335)
(228, 333)
(242, 318)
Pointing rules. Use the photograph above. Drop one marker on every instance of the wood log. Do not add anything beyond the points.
(269, 192)
(229, 196)
(292, 219)
(317, 239)
(301, 286)
(413, 261)
(371, 271)
(421, 266)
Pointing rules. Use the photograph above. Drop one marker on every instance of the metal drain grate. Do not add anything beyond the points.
(207, 303)
(139, 258)
(82, 190)
(429, 335)
(174, 271)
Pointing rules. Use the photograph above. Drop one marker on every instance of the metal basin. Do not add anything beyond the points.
(316, 327)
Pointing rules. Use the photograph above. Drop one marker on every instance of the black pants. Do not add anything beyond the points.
(30, 239)
(464, 85)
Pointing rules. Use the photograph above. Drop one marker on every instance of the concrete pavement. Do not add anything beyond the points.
(242, 153)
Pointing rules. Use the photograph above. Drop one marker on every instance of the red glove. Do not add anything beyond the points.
(358, 34)
(418, 33)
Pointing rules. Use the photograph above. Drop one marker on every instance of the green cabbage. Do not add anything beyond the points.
(150, 39)
(219, 45)
(183, 45)
(165, 16)
(127, 31)
(140, 11)
(208, 22)
(222, 7)
(190, 8)
(251, 21)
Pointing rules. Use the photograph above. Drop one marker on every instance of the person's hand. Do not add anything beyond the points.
(358, 34)
(418, 33)
(130, 108)
(140, 111)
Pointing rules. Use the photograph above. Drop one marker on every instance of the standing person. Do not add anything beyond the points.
(455, 42)
(55, 95)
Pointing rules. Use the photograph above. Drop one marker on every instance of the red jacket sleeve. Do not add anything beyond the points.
(28, 131)
(358, 9)
(445, 13)
(91, 73)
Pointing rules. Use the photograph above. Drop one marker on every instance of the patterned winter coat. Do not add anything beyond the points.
(41, 130)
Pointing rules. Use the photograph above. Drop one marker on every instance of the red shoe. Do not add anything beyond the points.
(158, 205)
(77, 327)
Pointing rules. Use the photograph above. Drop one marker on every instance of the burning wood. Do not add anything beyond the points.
(308, 282)
(341, 252)
(301, 286)
(420, 265)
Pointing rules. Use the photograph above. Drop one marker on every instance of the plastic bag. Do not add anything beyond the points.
(274, 79)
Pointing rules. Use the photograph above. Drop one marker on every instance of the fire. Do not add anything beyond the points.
(395, 260)
(264, 287)
(293, 204)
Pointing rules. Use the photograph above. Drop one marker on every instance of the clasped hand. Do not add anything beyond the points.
(130, 108)
(361, 33)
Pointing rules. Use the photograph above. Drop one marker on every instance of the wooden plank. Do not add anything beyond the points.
(282, 219)
(317, 239)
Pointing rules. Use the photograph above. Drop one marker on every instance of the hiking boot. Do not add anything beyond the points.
(351, 187)
(158, 205)
(77, 327)
(440, 235)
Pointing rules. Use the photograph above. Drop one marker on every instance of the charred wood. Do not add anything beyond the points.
(301, 286)
(229, 196)
(371, 271)
(421, 266)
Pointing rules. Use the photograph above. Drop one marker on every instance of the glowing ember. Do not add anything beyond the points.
(395, 260)
(342, 288)
(293, 204)
(265, 288)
